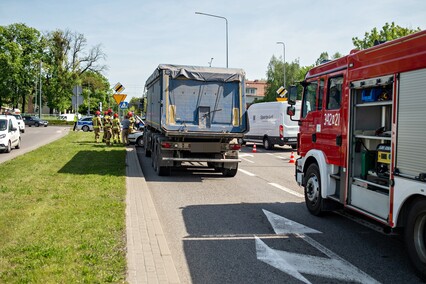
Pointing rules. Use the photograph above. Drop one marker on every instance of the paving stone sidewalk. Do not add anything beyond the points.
(148, 256)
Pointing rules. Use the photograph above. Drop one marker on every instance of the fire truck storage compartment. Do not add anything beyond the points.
(411, 128)
(371, 124)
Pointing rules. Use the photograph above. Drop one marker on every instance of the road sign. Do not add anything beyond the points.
(119, 98)
(124, 105)
(282, 92)
(77, 90)
(118, 88)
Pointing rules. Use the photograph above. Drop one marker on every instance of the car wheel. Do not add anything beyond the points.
(85, 128)
(139, 141)
(9, 147)
(267, 143)
(19, 144)
(36, 124)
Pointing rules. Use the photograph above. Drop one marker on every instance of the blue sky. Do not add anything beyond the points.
(137, 35)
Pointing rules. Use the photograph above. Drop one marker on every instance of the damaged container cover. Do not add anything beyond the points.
(199, 73)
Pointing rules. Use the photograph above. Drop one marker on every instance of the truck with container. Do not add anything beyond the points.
(194, 115)
(362, 138)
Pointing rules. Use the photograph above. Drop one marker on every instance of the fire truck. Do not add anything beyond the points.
(362, 140)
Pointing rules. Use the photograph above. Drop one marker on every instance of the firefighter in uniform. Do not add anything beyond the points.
(107, 128)
(97, 124)
(116, 129)
(132, 122)
(103, 122)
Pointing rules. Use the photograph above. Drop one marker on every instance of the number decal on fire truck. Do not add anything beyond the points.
(332, 119)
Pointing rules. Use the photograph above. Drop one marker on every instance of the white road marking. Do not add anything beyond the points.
(295, 193)
(245, 155)
(247, 173)
(247, 160)
(333, 267)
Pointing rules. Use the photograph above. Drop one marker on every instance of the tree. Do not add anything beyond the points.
(388, 32)
(66, 62)
(324, 57)
(20, 50)
(275, 76)
(95, 90)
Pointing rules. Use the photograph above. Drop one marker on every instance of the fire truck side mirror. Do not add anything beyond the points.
(291, 111)
(292, 96)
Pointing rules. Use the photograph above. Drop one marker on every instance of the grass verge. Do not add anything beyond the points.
(62, 213)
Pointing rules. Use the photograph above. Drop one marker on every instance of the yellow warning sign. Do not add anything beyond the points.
(119, 87)
(281, 99)
(119, 98)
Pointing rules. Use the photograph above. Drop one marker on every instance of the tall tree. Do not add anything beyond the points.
(275, 76)
(67, 60)
(20, 50)
(388, 32)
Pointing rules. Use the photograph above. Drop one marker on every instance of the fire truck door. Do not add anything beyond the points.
(310, 116)
(330, 139)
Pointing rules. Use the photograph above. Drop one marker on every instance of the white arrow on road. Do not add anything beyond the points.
(294, 264)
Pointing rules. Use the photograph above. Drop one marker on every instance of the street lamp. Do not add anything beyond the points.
(280, 42)
(226, 20)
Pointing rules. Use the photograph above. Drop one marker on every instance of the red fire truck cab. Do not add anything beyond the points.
(362, 138)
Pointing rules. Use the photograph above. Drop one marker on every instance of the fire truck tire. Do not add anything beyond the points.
(313, 197)
(415, 237)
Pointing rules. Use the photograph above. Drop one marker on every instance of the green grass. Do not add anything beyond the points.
(62, 213)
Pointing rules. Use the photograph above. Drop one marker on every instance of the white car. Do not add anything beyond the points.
(85, 124)
(21, 122)
(10, 136)
(136, 138)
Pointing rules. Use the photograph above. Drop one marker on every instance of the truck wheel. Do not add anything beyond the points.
(415, 237)
(161, 170)
(313, 197)
(229, 172)
(267, 144)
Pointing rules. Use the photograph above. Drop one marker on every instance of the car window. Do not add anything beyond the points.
(2, 125)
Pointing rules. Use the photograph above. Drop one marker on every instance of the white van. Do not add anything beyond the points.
(10, 136)
(270, 124)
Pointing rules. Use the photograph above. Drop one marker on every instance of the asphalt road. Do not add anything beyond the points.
(255, 228)
(35, 137)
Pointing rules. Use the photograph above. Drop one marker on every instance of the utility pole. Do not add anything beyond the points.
(39, 107)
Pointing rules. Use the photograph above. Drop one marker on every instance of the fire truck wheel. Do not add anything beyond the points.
(313, 197)
(415, 237)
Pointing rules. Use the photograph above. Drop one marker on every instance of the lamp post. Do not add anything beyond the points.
(226, 20)
(280, 42)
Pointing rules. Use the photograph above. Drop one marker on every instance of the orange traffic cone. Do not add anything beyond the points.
(254, 148)
(292, 160)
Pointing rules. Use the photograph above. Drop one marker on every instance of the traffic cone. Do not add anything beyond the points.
(254, 148)
(292, 160)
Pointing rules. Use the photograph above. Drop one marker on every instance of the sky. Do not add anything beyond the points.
(138, 35)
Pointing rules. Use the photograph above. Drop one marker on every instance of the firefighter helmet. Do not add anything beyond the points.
(97, 113)
(115, 115)
(129, 114)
